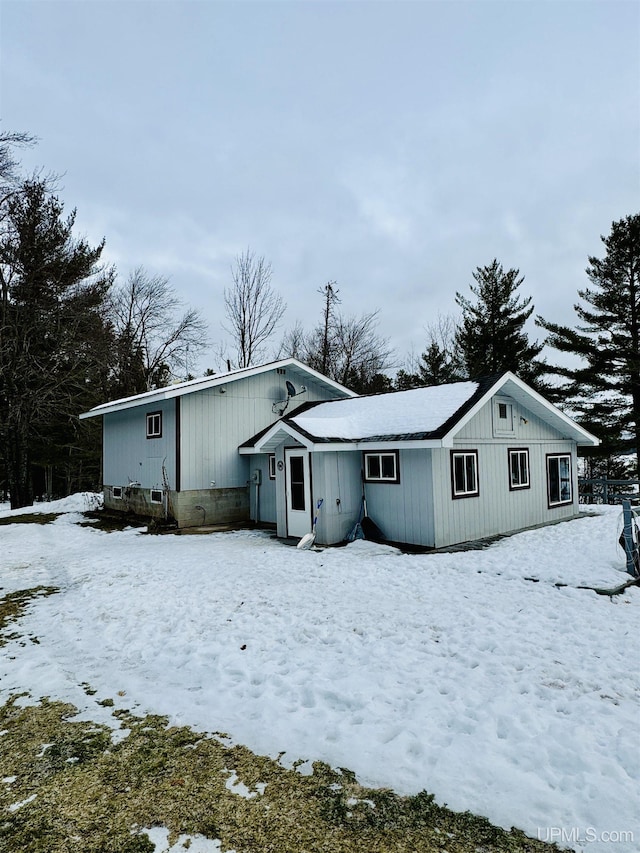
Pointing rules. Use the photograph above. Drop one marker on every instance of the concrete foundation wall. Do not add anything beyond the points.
(194, 508)
(198, 507)
(134, 500)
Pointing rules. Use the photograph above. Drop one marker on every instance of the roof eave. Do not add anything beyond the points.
(282, 430)
(204, 383)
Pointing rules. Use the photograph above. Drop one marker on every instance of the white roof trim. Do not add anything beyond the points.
(371, 445)
(345, 446)
(266, 441)
(536, 403)
(181, 388)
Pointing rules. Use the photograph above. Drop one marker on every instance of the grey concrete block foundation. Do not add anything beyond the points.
(194, 508)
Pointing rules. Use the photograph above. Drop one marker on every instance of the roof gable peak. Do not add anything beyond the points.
(190, 386)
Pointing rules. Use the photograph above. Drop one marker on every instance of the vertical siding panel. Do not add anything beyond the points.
(215, 424)
(336, 477)
(130, 456)
(404, 511)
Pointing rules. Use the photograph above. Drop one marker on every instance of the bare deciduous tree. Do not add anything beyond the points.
(359, 351)
(154, 342)
(253, 308)
(8, 162)
(293, 343)
(347, 349)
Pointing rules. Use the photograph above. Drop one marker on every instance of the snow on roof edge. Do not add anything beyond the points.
(188, 387)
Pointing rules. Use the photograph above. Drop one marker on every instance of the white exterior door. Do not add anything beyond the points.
(296, 461)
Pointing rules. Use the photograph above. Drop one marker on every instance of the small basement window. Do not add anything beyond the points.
(272, 466)
(519, 469)
(156, 496)
(382, 467)
(154, 425)
(116, 492)
(559, 489)
(464, 474)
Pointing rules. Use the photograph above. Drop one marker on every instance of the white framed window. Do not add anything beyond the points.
(116, 491)
(154, 425)
(464, 474)
(518, 469)
(156, 496)
(272, 466)
(382, 467)
(559, 486)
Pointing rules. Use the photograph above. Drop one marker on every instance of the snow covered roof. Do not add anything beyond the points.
(180, 388)
(419, 412)
(426, 415)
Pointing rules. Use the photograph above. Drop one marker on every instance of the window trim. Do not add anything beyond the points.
(394, 454)
(150, 432)
(517, 487)
(156, 492)
(567, 502)
(271, 464)
(116, 493)
(455, 495)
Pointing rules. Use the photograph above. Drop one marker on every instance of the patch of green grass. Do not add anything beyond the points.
(13, 605)
(30, 518)
(94, 796)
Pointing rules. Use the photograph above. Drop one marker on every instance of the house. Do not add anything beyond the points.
(173, 452)
(438, 465)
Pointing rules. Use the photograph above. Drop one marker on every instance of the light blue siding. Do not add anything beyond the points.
(498, 509)
(404, 511)
(129, 456)
(420, 509)
(262, 498)
(336, 481)
(215, 422)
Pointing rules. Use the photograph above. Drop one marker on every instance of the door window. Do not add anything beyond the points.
(296, 477)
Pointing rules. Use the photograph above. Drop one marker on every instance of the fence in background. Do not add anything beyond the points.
(600, 490)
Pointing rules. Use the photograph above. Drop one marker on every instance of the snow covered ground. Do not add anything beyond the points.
(454, 673)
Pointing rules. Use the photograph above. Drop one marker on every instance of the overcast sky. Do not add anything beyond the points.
(390, 146)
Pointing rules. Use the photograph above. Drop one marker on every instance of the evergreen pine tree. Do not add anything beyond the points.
(491, 336)
(604, 390)
(54, 336)
(437, 366)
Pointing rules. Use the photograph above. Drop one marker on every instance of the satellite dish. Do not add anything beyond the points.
(281, 406)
